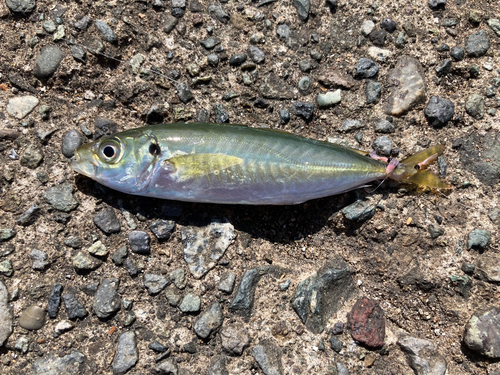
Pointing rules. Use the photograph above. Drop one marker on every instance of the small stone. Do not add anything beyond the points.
(256, 55)
(47, 62)
(444, 68)
(63, 326)
(439, 111)
(139, 242)
(227, 283)
(490, 92)
(5, 314)
(73, 307)
(209, 321)
(469, 268)
(304, 84)
(127, 353)
(304, 110)
(283, 32)
(210, 43)
(107, 221)
(477, 44)
(221, 115)
(21, 7)
(305, 66)
(328, 99)
(70, 142)
(6, 268)
(482, 333)
(190, 303)
(284, 116)
(98, 249)
(335, 343)
(474, 106)
(32, 318)
(367, 323)
(400, 40)
(107, 34)
(382, 145)
(378, 37)
(162, 229)
(478, 239)
(85, 262)
(120, 255)
(6, 234)
(379, 54)
(215, 11)
(350, 125)
(178, 278)
(107, 301)
(268, 355)
(213, 60)
(79, 54)
(32, 156)
(303, 7)
(475, 17)
(157, 347)
(60, 34)
(238, 59)
(22, 344)
(366, 68)
(39, 259)
(437, 4)
(21, 106)
(443, 48)
(154, 283)
(367, 27)
(170, 23)
(172, 296)
(373, 90)
(61, 197)
(457, 53)
(494, 23)
(487, 268)
(384, 126)
(435, 231)
(359, 211)
(423, 356)
(474, 71)
(184, 92)
(285, 285)
(234, 339)
(388, 25)
(54, 301)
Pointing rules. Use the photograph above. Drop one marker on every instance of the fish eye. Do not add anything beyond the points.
(109, 151)
(154, 149)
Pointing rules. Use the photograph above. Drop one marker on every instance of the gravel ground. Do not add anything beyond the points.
(385, 281)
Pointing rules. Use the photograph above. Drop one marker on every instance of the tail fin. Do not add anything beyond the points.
(413, 169)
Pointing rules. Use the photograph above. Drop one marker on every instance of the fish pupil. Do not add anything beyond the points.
(109, 151)
(154, 149)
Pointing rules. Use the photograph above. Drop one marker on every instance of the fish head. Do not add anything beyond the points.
(124, 162)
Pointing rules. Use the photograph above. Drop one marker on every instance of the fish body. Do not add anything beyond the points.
(228, 164)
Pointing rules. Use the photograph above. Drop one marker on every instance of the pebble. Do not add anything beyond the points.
(408, 87)
(379, 54)
(63, 326)
(366, 68)
(79, 54)
(139, 242)
(474, 106)
(127, 353)
(488, 268)
(382, 146)
(388, 25)
(190, 303)
(383, 126)
(85, 262)
(120, 255)
(69, 364)
(367, 27)
(474, 71)
(61, 197)
(328, 99)
(162, 229)
(21, 106)
(213, 60)
(304, 110)
(444, 68)
(305, 66)
(6, 234)
(54, 301)
(5, 315)
(437, 4)
(335, 343)
(244, 298)
(423, 356)
(256, 55)
(204, 246)
(132, 269)
(70, 142)
(367, 323)
(221, 115)
(490, 92)
(215, 11)
(107, 34)
(238, 59)
(400, 40)
(477, 44)
(107, 301)
(22, 344)
(154, 283)
(283, 32)
(268, 355)
(60, 34)
(32, 318)
(98, 249)
(210, 43)
(350, 125)
(303, 7)
(439, 111)
(47, 62)
(478, 239)
(21, 7)
(32, 156)
(317, 298)
(107, 221)
(168, 368)
(170, 23)
(104, 126)
(83, 23)
(378, 37)
(227, 283)
(210, 320)
(284, 116)
(39, 259)
(6, 268)
(184, 92)
(373, 90)
(172, 296)
(494, 23)
(157, 347)
(482, 334)
(218, 366)
(234, 339)
(178, 278)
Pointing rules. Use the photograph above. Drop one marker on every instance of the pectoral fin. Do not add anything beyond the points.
(195, 165)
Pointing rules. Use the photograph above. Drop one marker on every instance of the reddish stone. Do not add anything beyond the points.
(367, 323)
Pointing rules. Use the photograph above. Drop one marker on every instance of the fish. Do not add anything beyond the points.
(237, 164)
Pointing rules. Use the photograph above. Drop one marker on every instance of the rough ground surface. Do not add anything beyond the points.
(408, 257)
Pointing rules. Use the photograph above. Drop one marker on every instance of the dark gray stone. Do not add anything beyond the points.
(107, 34)
(373, 90)
(70, 142)
(21, 7)
(437, 4)
(168, 368)
(120, 255)
(107, 301)
(79, 54)
(444, 68)
(482, 332)
(303, 7)
(30, 216)
(457, 53)
(107, 221)
(218, 366)
(388, 25)
(383, 126)
(74, 308)
(40, 259)
(439, 111)
(336, 343)
(104, 126)
(127, 353)
(157, 347)
(221, 115)
(74, 363)
(238, 59)
(216, 12)
(377, 37)
(210, 43)
(366, 68)
(304, 110)
(154, 283)
(83, 23)
(244, 298)
(284, 116)
(443, 48)
(162, 229)
(268, 355)
(319, 297)
(54, 301)
(139, 242)
(256, 55)
(382, 146)
(172, 296)
(435, 231)
(478, 239)
(213, 60)
(47, 62)
(305, 66)
(350, 125)
(170, 23)
(61, 197)
(283, 32)
(227, 283)
(184, 92)
(477, 44)
(475, 106)
(210, 320)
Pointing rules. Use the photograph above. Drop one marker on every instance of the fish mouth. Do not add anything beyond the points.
(80, 165)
